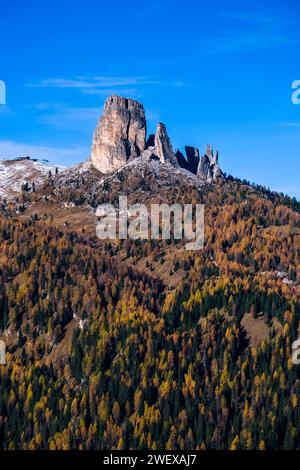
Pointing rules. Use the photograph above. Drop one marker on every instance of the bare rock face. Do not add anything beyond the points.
(204, 168)
(193, 158)
(119, 135)
(182, 161)
(150, 141)
(208, 167)
(163, 146)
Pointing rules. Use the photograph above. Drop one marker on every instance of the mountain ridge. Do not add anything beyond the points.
(135, 344)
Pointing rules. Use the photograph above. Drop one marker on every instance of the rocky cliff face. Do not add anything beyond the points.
(182, 161)
(193, 158)
(119, 135)
(206, 167)
(209, 168)
(163, 146)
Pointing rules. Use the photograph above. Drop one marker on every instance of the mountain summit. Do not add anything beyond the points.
(120, 143)
(121, 136)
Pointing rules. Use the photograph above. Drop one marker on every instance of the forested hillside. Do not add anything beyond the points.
(104, 354)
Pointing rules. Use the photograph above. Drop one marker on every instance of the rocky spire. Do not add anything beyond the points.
(193, 157)
(182, 161)
(163, 146)
(119, 135)
(208, 167)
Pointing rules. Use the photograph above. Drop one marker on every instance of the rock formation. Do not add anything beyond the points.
(119, 135)
(182, 161)
(163, 146)
(208, 167)
(193, 158)
(150, 141)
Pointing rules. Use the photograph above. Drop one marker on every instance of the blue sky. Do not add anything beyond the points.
(214, 72)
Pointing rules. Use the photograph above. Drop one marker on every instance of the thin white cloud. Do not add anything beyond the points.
(111, 91)
(122, 81)
(62, 156)
(96, 85)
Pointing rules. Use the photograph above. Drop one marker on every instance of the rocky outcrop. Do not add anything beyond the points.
(163, 146)
(182, 161)
(208, 168)
(119, 135)
(150, 141)
(193, 158)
